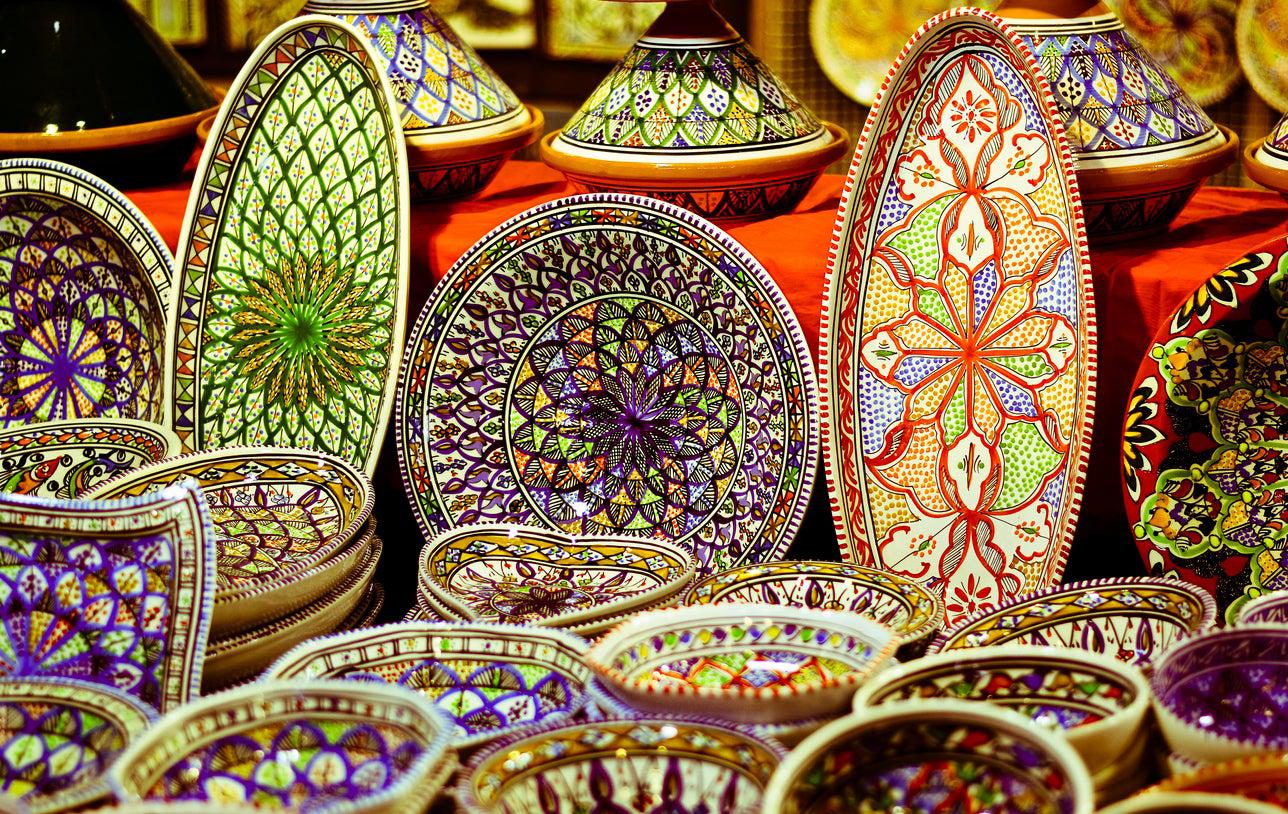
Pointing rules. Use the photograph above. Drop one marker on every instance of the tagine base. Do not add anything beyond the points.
(1270, 177)
(443, 170)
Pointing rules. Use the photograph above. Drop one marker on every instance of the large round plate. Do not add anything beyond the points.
(1205, 462)
(1192, 39)
(66, 459)
(957, 341)
(293, 256)
(611, 365)
(85, 281)
(1261, 34)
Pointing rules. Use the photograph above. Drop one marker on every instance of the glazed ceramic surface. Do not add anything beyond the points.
(337, 746)
(1203, 467)
(589, 29)
(564, 375)
(85, 294)
(1272, 608)
(1132, 619)
(1261, 33)
(932, 756)
(1180, 802)
(293, 256)
(1266, 161)
(66, 459)
(526, 575)
(754, 663)
(903, 605)
(116, 592)
(957, 356)
(1261, 778)
(491, 679)
(1193, 40)
(631, 766)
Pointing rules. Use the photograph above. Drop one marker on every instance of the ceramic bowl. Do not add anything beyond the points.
(1220, 695)
(490, 679)
(627, 766)
(66, 459)
(1263, 778)
(1131, 618)
(516, 574)
(1190, 802)
(349, 746)
(1269, 608)
(750, 663)
(930, 756)
(1096, 701)
(368, 610)
(58, 737)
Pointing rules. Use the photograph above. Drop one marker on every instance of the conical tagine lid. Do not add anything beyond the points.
(1266, 161)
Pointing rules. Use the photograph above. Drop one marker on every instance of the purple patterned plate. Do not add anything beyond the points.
(1271, 607)
(66, 459)
(611, 365)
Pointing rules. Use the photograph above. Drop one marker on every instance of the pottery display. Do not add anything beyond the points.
(693, 117)
(1193, 40)
(1271, 608)
(561, 376)
(66, 459)
(627, 766)
(1264, 779)
(930, 756)
(1266, 160)
(461, 122)
(289, 315)
(590, 29)
(1203, 469)
(1191, 802)
(1261, 34)
(937, 466)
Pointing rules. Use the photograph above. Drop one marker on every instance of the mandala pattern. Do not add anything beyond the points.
(293, 264)
(1192, 39)
(610, 365)
(67, 459)
(1261, 36)
(959, 337)
(587, 29)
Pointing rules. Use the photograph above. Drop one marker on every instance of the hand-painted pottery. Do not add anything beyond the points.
(1220, 695)
(1203, 465)
(116, 592)
(1193, 40)
(562, 375)
(903, 605)
(957, 353)
(83, 302)
(368, 610)
(1095, 701)
(491, 679)
(525, 575)
(1133, 618)
(292, 261)
(590, 29)
(66, 459)
(1271, 608)
(460, 120)
(627, 766)
(1261, 34)
(1266, 160)
(1190, 802)
(692, 116)
(58, 736)
(1263, 778)
(278, 515)
(1144, 147)
(932, 756)
(749, 663)
(333, 746)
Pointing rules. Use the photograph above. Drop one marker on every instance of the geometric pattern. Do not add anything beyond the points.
(68, 459)
(293, 258)
(751, 669)
(1192, 39)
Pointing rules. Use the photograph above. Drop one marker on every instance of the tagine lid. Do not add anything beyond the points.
(1266, 160)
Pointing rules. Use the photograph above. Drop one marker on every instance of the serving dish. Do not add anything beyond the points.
(1194, 802)
(66, 459)
(1259, 32)
(1193, 40)
(1264, 779)
(1271, 608)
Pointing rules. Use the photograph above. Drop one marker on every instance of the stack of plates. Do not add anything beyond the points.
(297, 549)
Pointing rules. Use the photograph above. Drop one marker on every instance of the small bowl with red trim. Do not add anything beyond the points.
(752, 663)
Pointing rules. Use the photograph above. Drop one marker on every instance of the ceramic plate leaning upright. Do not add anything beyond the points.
(1261, 34)
(67, 459)
(957, 345)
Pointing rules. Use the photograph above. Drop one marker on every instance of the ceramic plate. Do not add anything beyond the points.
(562, 375)
(293, 255)
(1262, 778)
(1192, 39)
(1204, 461)
(1261, 33)
(1190, 802)
(66, 459)
(1272, 608)
(589, 29)
(958, 338)
(85, 292)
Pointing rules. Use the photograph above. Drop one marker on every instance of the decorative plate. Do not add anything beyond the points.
(1262, 778)
(901, 604)
(1192, 39)
(932, 756)
(58, 736)
(1271, 607)
(278, 513)
(563, 376)
(1190, 802)
(66, 459)
(1203, 466)
(629, 766)
(293, 255)
(1261, 34)
(1098, 703)
(116, 592)
(746, 663)
(1131, 618)
(497, 573)
(589, 29)
(85, 293)
(958, 352)
(491, 679)
(338, 746)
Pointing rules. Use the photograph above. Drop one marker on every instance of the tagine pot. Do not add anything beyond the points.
(1135, 172)
(460, 120)
(1266, 160)
(692, 116)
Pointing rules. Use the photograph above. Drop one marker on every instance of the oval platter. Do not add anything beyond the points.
(611, 365)
(293, 257)
(85, 281)
(957, 340)
(66, 459)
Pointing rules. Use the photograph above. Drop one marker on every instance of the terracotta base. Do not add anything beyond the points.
(442, 168)
(1270, 177)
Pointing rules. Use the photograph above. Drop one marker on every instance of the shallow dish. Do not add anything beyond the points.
(66, 459)
(1263, 778)
(1190, 802)
(367, 613)
(1271, 608)
(749, 663)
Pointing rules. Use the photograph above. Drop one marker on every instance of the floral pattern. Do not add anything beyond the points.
(68, 459)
